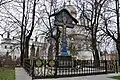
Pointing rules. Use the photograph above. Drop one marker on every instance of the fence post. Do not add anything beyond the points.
(116, 66)
(56, 66)
(33, 69)
(106, 66)
(24, 63)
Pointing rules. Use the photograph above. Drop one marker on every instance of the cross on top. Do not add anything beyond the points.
(67, 1)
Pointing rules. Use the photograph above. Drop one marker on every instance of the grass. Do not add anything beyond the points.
(116, 77)
(7, 73)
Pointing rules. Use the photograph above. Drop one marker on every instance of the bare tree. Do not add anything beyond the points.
(2, 2)
(26, 38)
(51, 8)
(91, 11)
(111, 24)
(23, 15)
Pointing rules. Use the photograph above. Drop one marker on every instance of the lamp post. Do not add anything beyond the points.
(72, 44)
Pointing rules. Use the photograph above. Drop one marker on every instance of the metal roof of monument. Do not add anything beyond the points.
(65, 10)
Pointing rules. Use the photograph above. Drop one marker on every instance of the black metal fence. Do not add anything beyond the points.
(44, 68)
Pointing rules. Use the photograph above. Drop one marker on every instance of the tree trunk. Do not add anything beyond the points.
(118, 30)
(22, 35)
(95, 51)
(118, 50)
(57, 46)
(118, 55)
(26, 48)
(27, 38)
(22, 52)
(95, 54)
(50, 51)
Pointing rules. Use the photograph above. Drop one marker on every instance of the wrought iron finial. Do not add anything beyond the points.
(69, 2)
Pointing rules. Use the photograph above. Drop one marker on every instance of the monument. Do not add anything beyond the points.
(64, 19)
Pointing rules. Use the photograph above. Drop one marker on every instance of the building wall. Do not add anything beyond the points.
(82, 42)
(10, 46)
(110, 56)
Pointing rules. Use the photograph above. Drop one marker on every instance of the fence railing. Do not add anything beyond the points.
(27, 66)
(44, 68)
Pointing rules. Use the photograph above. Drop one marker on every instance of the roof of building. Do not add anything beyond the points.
(9, 41)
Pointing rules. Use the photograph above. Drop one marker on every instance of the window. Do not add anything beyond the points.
(10, 47)
(5, 47)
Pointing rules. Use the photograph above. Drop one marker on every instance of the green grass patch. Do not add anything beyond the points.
(7, 73)
(116, 77)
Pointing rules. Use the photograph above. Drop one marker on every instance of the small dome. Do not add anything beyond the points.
(72, 10)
